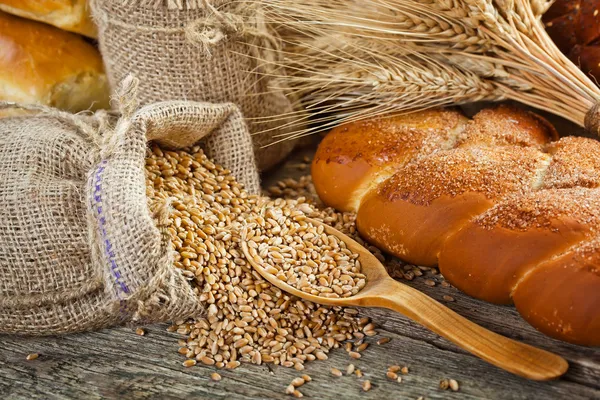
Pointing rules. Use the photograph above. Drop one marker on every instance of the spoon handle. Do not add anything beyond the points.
(510, 355)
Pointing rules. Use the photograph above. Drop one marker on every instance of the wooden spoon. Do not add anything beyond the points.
(383, 291)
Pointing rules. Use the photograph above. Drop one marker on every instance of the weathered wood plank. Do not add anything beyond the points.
(117, 363)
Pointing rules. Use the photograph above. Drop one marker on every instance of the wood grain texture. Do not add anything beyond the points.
(117, 363)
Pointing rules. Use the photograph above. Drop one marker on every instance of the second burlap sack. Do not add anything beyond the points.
(200, 50)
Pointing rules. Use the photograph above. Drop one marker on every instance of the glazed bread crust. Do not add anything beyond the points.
(498, 202)
(45, 65)
(70, 15)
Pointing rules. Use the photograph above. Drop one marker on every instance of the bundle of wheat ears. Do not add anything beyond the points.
(355, 59)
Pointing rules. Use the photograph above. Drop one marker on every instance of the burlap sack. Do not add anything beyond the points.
(193, 50)
(79, 248)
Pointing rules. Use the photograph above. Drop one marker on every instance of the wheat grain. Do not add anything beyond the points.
(392, 375)
(189, 363)
(297, 382)
(394, 368)
(362, 347)
(453, 384)
(366, 386)
(383, 340)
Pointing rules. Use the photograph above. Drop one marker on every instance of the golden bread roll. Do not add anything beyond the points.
(44, 65)
(501, 207)
(70, 15)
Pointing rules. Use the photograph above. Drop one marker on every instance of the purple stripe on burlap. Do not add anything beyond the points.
(108, 248)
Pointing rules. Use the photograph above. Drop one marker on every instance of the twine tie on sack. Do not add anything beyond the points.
(210, 31)
(126, 104)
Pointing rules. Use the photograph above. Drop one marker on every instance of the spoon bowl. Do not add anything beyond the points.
(383, 291)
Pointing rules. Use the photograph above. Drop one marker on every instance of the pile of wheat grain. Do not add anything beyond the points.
(248, 319)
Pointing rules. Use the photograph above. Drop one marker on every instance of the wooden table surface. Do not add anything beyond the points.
(117, 363)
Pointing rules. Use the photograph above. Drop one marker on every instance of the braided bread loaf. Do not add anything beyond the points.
(508, 212)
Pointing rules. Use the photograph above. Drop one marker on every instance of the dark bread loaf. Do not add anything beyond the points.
(574, 26)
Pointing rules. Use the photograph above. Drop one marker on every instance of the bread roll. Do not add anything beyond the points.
(505, 208)
(70, 15)
(45, 65)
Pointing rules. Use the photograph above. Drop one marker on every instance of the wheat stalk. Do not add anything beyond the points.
(353, 59)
